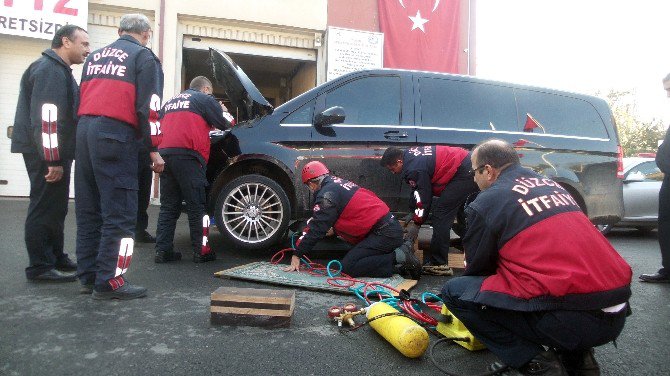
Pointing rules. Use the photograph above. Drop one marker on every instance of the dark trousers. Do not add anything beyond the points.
(105, 195)
(183, 179)
(46, 216)
(144, 175)
(664, 224)
(516, 337)
(444, 211)
(374, 256)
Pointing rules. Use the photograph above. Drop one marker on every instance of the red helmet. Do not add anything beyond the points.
(312, 170)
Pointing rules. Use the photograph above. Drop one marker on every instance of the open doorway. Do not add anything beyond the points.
(278, 79)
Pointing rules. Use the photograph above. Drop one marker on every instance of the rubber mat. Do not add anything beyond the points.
(267, 272)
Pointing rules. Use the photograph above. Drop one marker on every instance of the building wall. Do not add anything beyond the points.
(366, 17)
(268, 27)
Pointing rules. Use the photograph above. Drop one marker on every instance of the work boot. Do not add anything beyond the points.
(406, 262)
(655, 278)
(144, 237)
(86, 288)
(163, 257)
(502, 369)
(54, 275)
(64, 264)
(545, 363)
(125, 292)
(580, 363)
(198, 258)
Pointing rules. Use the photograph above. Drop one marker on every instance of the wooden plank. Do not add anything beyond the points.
(252, 295)
(252, 307)
(406, 285)
(267, 322)
(456, 260)
(252, 311)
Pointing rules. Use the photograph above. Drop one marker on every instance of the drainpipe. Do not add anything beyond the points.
(161, 35)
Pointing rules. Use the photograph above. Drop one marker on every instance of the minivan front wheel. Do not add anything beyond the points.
(252, 211)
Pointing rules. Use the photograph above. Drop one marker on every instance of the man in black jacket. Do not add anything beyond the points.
(121, 85)
(44, 130)
(663, 162)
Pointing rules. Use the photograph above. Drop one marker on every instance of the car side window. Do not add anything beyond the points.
(373, 100)
(464, 104)
(302, 115)
(558, 114)
(648, 170)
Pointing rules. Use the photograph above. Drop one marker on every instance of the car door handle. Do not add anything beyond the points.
(395, 134)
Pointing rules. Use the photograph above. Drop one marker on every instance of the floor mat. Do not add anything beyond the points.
(267, 272)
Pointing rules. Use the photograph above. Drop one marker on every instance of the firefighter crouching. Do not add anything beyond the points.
(359, 217)
(441, 171)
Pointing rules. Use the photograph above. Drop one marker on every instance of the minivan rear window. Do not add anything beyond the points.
(468, 105)
(369, 100)
(558, 114)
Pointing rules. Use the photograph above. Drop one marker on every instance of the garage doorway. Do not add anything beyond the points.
(278, 79)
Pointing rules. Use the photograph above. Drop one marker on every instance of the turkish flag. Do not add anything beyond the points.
(420, 34)
(531, 123)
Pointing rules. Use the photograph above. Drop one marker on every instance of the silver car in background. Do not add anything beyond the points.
(642, 181)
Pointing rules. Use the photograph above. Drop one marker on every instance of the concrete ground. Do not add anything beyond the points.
(51, 329)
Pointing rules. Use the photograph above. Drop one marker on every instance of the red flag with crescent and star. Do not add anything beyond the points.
(420, 34)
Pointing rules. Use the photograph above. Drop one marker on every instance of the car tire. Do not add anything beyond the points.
(252, 212)
(604, 229)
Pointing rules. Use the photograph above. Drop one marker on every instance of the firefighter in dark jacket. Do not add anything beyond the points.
(121, 86)
(185, 122)
(538, 273)
(359, 217)
(663, 163)
(44, 131)
(441, 171)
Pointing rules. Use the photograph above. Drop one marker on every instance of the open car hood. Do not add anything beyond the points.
(247, 101)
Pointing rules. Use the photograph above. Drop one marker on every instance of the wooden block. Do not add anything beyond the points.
(252, 307)
(456, 259)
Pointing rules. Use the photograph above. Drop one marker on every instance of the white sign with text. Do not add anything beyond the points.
(353, 50)
(41, 18)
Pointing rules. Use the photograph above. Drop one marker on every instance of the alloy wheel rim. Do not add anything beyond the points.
(252, 212)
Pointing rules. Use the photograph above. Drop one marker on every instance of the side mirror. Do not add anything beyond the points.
(634, 177)
(330, 116)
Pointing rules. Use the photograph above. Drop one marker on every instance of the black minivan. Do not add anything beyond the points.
(254, 168)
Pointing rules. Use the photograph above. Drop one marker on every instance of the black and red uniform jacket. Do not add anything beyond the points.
(46, 112)
(536, 250)
(186, 120)
(428, 169)
(350, 210)
(123, 81)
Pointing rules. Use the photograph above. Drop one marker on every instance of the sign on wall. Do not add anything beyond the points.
(353, 50)
(41, 18)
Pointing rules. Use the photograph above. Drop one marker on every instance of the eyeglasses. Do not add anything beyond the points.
(477, 170)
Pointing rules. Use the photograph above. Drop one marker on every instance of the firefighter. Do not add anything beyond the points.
(441, 171)
(185, 122)
(538, 273)
(362, 219)
(44, 132)
(121, 86)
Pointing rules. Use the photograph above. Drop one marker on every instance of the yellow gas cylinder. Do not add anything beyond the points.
(401, 332)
